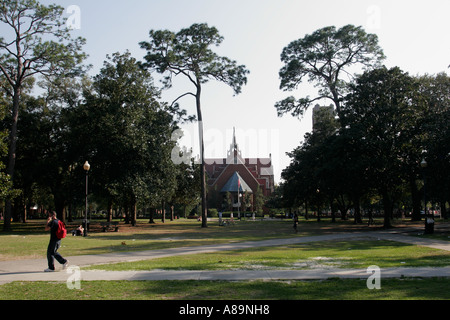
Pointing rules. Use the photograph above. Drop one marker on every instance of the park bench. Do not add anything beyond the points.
(110, 226)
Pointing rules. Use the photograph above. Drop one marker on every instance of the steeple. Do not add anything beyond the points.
(234, 138)
(234, 155)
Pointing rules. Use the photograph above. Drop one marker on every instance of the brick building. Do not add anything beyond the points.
(235, 172)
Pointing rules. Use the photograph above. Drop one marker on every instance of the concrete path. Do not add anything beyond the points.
(243, 275)
(32, 270)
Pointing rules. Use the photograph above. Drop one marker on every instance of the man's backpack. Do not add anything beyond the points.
(61, 232)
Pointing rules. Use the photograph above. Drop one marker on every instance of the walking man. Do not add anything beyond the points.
(54, 245)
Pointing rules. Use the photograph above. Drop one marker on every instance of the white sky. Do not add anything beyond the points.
(414, 35)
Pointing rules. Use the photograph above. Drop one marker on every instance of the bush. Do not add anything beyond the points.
(213, 213)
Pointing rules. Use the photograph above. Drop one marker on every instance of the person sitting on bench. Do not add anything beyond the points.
(78, 231)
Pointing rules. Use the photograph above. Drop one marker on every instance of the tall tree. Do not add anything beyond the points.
(39, 44)
(129, 142)
(188, 53)
(188, 189)
(381, 113)
(6, 186)
(308, 177)
(436, 91)
(325, 57)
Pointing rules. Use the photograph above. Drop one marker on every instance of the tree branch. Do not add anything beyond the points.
(183, 95)
(8, 77)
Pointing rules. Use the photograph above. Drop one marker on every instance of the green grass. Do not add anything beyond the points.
(332, 289)
(341, 254)
(30, 241)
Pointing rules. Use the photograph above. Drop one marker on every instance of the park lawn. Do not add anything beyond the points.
(337, 254)
(35, 246)
(29, 241)
(331, 289)
(356, 253)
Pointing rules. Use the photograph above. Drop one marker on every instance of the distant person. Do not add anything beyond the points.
(370, 218)
(78, 231)
(54, 244)
(295, 222)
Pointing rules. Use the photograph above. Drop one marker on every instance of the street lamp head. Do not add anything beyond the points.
(87, 166)
(424, 163)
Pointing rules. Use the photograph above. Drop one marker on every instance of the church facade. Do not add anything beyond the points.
(239, 178)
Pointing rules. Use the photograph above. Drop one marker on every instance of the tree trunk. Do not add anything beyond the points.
(443, 209)
(127, 213)
(109, 211)
(388, 210)
(306, 210)
(16, 212)
(152, 211)
(202, 157)
(163, 211)
(318, 212)
(357, 207)
(343, 208)
(12, 152)
(25, 211)
(333, 212)
(133, 209)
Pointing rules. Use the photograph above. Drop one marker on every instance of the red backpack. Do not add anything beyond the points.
(61, 232)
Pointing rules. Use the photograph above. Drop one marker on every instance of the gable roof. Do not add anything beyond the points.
(232, 184)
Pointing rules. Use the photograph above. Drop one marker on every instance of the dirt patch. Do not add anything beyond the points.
(320, 263)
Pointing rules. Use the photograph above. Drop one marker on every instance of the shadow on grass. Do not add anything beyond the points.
(331, 289)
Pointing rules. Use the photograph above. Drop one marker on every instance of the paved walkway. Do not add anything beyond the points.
(31, 270)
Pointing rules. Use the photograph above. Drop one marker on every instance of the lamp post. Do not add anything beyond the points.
(318, 205)
(86, 168)
(239, 204)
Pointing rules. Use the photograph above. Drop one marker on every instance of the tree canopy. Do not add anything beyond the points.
(369, 151)
(391, 124)
(325, 58)
(188, 53)
(38, 43)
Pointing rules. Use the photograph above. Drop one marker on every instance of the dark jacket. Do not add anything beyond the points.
(53, 228)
